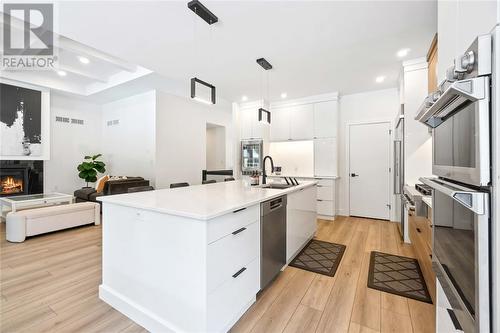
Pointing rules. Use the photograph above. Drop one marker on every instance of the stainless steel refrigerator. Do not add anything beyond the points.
(401, 202)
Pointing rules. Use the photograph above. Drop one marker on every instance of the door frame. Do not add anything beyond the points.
(390, 197)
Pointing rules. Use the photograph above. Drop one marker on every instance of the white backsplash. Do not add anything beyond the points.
(296, 158)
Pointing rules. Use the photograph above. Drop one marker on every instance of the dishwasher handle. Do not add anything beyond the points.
(275, 204)
(270, 206)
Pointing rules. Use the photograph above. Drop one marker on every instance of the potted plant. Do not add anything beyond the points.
(89, 168)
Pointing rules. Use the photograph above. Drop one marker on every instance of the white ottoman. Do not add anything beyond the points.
(37, 221)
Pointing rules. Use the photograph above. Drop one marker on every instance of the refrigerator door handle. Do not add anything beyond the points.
(397, 163)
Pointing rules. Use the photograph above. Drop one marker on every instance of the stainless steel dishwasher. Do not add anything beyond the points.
(272, 239)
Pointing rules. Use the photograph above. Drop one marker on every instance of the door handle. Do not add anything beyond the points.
(354, 175)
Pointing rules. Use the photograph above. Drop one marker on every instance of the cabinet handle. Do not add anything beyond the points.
(235, 275)
(239, 210)
(419, 231)
(238, 231)
(319, 185)
(319, 200)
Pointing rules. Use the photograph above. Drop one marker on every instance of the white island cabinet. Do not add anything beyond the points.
(188, 259)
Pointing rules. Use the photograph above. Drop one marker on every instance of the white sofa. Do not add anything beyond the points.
(37, 221)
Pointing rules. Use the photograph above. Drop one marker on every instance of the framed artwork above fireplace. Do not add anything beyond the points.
(24, 121)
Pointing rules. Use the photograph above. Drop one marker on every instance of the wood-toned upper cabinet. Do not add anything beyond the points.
(325, 119)
(432, 67)
(302, 122)
(280, 124)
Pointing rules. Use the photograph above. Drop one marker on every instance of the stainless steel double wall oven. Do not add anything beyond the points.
(459, 115)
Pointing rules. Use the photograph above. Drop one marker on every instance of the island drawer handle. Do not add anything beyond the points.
(239, 210)
(235, 275)
(238, 231)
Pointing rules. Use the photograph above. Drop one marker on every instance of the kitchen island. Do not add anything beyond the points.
(188, 259)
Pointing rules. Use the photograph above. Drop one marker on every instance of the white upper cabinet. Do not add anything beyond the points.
(246, 123)
(325, 157)
(250, 126)
(325, 119)
(280, 124)
(302, 122)
(305, 121)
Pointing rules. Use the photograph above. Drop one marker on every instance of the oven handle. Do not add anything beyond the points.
(432, 113)
(474, 200)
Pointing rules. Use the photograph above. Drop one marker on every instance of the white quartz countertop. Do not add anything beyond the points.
(202, 202)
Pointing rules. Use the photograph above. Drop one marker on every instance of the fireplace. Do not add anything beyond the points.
(21, 177)
(13, 181)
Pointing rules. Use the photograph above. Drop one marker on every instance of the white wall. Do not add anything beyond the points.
(380, 105)
(70, 142)
(128, 147)
(459, 22)
(216, 148)
(181, 137)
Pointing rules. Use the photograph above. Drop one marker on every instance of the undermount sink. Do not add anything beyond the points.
(277, 186)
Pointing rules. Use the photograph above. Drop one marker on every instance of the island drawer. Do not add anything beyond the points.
(230, 253)
(230, 300)
(226, 224)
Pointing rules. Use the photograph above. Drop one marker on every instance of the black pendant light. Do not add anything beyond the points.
(265, 115)
(197, 85)
(194, 82)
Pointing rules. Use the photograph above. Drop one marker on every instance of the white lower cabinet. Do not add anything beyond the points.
(301, 220)
(231, 253)
(325, 208)
(326, 199)
(228, 302)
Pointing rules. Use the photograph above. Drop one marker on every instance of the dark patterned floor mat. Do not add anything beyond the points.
(397, 275)
(319, 257)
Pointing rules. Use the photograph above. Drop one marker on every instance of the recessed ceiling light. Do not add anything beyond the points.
(283, 95)
(244, 98)
(61, 73)
(83, 60)
(403, 53)
(380, 79)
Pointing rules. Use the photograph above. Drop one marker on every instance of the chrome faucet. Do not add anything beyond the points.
(264, 175)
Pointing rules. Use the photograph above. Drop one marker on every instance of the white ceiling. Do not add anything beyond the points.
(98, 72)
(315, 47)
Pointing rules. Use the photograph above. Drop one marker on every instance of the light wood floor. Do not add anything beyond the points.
(49, 283)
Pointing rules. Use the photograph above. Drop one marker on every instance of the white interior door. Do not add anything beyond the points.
(369, 163)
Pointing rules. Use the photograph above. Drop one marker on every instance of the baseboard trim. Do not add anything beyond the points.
(134, 311)
(326, 217)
